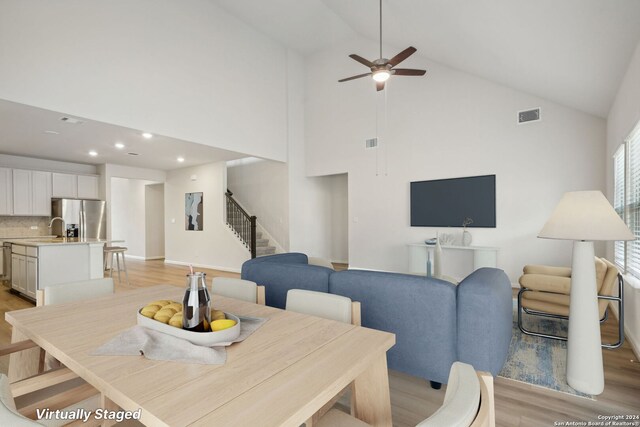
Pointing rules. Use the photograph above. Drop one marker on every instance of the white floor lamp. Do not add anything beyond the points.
(584, 216)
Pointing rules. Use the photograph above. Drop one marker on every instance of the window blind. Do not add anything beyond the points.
(626, 200)
(619, 200)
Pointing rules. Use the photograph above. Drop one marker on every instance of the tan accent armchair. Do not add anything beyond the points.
(546, 292)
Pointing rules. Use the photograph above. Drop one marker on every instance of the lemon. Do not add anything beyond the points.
(222, 324)
(217, 315)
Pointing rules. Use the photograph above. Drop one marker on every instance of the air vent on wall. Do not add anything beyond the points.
(371, 143)
(133, 154)
(71, 120)
(529, 116)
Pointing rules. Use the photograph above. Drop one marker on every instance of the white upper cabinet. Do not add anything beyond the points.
(41, 193)
(70, 186)
(64, 185)
(31, 193)
(88, 187)
(6, 191)
(22, 201)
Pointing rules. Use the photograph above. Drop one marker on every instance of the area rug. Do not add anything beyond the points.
(539, 361)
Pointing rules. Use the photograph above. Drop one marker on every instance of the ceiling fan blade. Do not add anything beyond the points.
(402, 56)
(361, 60)
(354, 77)
(379, 86)
(408, 72)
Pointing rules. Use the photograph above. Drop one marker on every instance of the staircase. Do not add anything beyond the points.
(262, 246)
(244, 227)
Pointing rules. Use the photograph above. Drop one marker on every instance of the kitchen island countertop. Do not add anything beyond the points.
(50, 241)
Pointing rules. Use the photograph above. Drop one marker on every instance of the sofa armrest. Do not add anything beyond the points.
(485, 319)
(547, 270)
(546, 283)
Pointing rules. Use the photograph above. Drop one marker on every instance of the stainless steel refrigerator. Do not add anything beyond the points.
(86, 219)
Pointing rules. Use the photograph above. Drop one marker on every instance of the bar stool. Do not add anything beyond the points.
(118, 251)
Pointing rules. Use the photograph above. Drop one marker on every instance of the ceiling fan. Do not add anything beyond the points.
(382, 68)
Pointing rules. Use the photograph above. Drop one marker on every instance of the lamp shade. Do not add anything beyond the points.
(585, 215)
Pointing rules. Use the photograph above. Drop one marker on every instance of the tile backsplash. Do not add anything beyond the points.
(20, 226)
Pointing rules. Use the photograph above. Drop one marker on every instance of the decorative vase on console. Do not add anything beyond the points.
(437, 259)
(466, 236)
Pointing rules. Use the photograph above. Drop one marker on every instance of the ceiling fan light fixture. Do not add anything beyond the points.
(381, 76)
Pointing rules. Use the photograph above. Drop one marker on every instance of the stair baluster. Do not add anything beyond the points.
(243, 224)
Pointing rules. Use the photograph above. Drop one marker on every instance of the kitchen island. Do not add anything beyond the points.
(39, 262)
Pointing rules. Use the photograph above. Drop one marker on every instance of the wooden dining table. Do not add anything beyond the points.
(279, 376)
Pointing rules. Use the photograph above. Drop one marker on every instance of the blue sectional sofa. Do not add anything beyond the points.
(436, 323)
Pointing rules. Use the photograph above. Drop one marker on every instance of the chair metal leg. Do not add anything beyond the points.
(124, 265)
(111, 265)
(619, 299)
(118, 261)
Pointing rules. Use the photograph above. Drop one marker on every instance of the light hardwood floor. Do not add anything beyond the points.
(517, 404)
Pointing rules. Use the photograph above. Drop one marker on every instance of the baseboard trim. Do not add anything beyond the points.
(149, 258)
(211, 267)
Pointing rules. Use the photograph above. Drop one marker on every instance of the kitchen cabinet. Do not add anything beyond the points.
(19, 273)
(21, 192)
(88, 187)
(31, 193)
(64, 185)
(41, 193)
(6, 191)
(71, 186)
(31, 276)
(24, 269)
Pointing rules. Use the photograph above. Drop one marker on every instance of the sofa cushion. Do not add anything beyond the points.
(420, 311)
(278, 278)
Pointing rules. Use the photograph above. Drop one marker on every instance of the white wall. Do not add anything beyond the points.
(154, 221)
(623, 117)
(153, 65)
(109, 171)
(446, 124)
(214, 247)
(307, 216)
(261, 187)
(128, 220)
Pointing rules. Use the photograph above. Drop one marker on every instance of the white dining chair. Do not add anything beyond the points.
(327, 306)
(61, 293)
(238, 289)
(321, 304)
(468, 402)
(56, 396)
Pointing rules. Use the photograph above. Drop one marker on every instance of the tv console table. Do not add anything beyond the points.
(453, 258)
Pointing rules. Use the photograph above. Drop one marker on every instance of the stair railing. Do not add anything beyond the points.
(241, 222)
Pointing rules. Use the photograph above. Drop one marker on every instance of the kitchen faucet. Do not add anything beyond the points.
(64, 229)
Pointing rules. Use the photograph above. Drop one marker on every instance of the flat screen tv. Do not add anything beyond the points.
(447, 202)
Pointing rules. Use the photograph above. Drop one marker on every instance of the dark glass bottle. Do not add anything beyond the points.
(196, 305)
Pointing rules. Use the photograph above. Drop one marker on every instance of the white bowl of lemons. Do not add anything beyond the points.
(166, 316)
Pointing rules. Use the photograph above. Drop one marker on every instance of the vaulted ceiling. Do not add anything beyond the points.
(574, 52)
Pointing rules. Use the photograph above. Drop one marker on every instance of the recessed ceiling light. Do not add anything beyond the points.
(93, 153)
(52, 132)
(180, 159)
(119, 145)
(147, 135)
